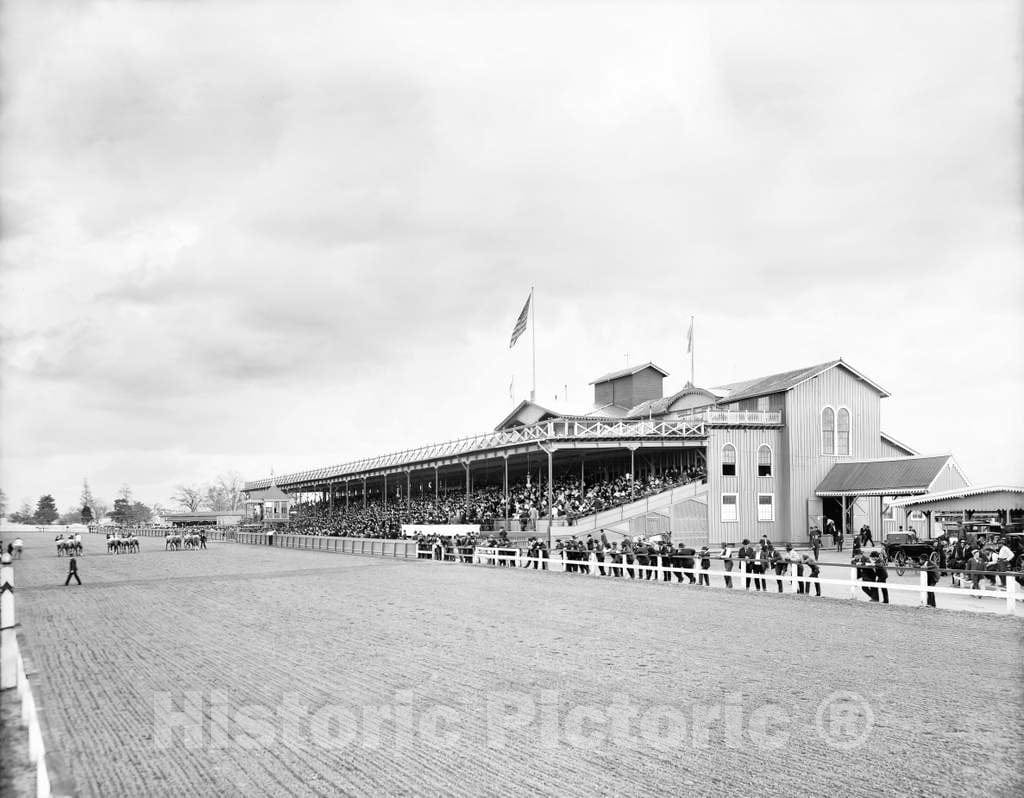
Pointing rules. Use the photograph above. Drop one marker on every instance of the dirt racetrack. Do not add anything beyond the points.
(245, 670)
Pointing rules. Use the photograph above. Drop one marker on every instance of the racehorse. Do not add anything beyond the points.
(172, 542)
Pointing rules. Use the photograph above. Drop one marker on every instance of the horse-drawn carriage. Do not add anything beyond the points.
(904, 550)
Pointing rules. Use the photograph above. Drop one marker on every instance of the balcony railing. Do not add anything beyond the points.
(737, 418)
(551, 430)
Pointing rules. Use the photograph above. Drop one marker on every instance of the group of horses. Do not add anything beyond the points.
(122, 544)
(71, 545)
(175, 542)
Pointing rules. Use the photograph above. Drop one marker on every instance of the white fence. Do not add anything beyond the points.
(12, 676)
(791, 580)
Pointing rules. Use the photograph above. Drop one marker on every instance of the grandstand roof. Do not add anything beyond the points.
(657, 407)
(894, 476)
(271, 494)
(629, 370)
(786, 381)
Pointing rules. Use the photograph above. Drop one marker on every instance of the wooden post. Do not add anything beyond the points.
(923, 579)
(465, 465)
(8, 639)
(385, 490)
(1011, 593)
(854, 586)
(435, 483)
(408, 490)
(505, 489)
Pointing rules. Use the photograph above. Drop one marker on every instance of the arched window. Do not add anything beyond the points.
(843, 431)
(764, 461)
(828, 431)
(728, 460)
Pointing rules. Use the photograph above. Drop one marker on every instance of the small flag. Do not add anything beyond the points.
(511, 389)
(520, 327)
(689, 338)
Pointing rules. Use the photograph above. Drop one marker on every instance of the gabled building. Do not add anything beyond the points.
(775, 456)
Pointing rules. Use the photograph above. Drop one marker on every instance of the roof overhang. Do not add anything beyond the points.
(959, 493)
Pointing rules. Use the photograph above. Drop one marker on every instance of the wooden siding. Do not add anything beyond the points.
(602, 393)
(776, 401)
(807, 466)
(647, 384)
(948, 479)
(746, 484)
(889, 450)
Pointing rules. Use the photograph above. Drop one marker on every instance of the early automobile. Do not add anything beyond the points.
(903, 550)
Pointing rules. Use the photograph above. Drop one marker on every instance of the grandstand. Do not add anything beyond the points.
(774, 456)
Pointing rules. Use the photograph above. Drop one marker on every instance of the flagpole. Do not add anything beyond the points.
(691, 351)
(533, 341)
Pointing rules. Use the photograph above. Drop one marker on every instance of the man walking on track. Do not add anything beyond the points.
(72, 572)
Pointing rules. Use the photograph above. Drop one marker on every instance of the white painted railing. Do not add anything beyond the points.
(12, 676)
(554, 429)
(624, 512)
(737, 579)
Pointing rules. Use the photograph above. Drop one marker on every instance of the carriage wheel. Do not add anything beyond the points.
(901, 562)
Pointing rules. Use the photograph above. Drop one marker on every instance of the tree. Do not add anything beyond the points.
(46, 510)
(87, 502)
(225, 494)
(70, 517)
(126, 513)
(3, 504)
(188, 496)
(23, 515)
(100, 510)
(141, 514)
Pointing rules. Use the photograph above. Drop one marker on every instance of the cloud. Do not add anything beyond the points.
(304, 236)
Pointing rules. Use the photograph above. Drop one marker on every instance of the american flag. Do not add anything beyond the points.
(520, 327)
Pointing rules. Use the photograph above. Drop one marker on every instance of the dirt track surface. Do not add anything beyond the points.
(320, 674)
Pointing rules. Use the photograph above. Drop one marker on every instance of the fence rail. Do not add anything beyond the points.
(50, 780)
(791, 580)
(371, 547)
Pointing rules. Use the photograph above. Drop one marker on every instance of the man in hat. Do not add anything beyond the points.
(881, 576)
(813, 570)
(72, 571)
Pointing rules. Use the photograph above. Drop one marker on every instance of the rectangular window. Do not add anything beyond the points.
(729, 502)
(765, 507)
(763, 403)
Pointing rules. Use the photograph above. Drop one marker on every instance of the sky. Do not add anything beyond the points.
(276, 236)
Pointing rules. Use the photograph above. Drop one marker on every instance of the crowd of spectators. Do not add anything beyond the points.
(526, 503)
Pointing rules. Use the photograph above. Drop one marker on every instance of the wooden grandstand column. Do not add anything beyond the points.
(465, 464)
(504, 456)
(331, 503)
(364, 493)
(435, 483)
(346, 495)
(632, 469)
(385, 491)
(408, 489)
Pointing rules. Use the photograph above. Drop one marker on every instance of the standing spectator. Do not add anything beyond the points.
(868, 539)
(866, 574)
(780, 565)
(830, 529)
(837, 536)
(705, 564)
(931, 569)
(72, 571)
(881, 576)
(1005, 556)
(18, 543)
(726, 555)
(795, 566)
(976, 569)
(687, 554)
(811, 564)
(816, 541)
